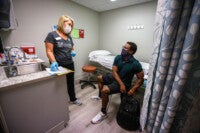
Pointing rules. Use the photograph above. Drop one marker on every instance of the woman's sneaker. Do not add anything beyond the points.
(99, 118)
(77, 102)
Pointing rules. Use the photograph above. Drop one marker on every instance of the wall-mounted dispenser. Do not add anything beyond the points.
(136, 27)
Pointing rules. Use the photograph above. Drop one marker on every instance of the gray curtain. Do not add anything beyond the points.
(171, 102)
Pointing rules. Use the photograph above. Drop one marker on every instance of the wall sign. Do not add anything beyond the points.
(77, 33)
(81, 33)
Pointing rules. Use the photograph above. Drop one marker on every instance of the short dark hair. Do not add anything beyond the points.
(133, 46)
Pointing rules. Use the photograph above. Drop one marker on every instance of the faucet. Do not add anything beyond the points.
(7, 51)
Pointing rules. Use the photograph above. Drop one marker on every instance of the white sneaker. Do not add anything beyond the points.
(77, 102)
(98, 118)
(96, 98)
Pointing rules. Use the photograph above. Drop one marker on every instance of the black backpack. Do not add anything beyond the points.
(128, 115)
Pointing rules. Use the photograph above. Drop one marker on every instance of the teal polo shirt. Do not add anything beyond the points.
(126, 70)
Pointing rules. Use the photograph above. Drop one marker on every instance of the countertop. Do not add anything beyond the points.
(13, 82)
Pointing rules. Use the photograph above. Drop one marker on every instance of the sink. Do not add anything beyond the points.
(18, 70)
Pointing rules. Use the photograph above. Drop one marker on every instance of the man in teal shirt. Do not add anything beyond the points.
(124, 68)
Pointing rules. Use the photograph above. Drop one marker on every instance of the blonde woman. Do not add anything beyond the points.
(59, 46)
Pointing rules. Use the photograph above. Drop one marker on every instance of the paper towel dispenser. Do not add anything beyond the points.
(1, 46)
(4, 13)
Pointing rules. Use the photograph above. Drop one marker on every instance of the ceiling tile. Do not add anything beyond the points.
(104, 5)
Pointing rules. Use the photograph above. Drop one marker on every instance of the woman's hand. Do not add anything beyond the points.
(73, 53)
(54, 66)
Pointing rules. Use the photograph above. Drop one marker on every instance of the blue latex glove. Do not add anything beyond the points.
(73, 53)
(54, 66)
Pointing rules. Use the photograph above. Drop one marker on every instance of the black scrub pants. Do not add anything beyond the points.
(70, 82)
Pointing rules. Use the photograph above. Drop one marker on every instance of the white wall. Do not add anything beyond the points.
(114, 29)
(106, 30)
(35, 18)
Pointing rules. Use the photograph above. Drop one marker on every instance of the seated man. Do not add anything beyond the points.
(123, 70)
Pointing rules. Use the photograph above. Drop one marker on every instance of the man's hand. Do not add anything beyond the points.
(130, 92)
(138, 83)
(123, 88)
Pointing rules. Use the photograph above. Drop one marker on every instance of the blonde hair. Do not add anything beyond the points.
(61, 21)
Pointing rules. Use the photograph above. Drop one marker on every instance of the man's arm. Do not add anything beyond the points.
(118, 79)
(139, 82)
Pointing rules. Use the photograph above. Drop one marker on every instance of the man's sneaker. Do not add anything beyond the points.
(77, 102)
(99, 118)
(96, 98)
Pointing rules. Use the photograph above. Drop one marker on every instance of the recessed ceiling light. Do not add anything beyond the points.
(113, 0)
